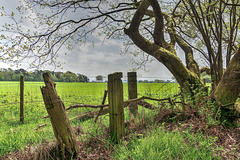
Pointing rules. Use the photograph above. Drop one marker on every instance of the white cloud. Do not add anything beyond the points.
(101, 59)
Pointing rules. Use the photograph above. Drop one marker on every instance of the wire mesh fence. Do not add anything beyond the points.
(70, 93)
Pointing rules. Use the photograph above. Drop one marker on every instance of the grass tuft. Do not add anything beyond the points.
(161, 144)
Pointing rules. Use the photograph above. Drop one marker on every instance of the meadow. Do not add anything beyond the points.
(16, 136)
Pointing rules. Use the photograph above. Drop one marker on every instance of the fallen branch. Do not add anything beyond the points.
(83, 106)
(91, 115)
(103, 101)
(105, 110)
(149, 98)
(170, 101)
(146, 105)
(106, 105)
(86, 106)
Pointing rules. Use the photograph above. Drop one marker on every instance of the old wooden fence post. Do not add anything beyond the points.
(116, 106)
(132, 91)
(60, 123)
(22, 99)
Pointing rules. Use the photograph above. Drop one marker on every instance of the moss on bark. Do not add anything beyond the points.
(228, 89)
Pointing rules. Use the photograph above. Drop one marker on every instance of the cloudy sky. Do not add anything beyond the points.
(102, 59)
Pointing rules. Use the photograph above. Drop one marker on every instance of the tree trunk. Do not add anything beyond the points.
(228, 89)
(163, 53)
(61, 125)
(190, 62)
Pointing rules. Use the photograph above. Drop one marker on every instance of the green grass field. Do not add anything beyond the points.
(15, 136)
(157, 144)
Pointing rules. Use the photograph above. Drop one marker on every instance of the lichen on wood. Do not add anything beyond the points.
(59, 119)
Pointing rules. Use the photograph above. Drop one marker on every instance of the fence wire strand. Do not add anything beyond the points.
(4, 106)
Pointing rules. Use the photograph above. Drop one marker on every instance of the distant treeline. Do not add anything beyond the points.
(14, 75)
(156, 81)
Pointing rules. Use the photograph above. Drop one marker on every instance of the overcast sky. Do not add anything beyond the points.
(102, 59)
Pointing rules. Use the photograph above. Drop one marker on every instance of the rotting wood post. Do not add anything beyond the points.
(22, 99)
(63, 131)
(132, 91)
(116, 106)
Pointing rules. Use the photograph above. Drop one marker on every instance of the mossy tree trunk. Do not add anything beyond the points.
(187, 76)
(164, 52)
(228, 88)
(59, 119)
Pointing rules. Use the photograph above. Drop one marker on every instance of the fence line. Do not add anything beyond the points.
(28, 120)
(43, 116)
(115, 108)
(87, 106)
(4, 106)
(82, 105)
(18, 118)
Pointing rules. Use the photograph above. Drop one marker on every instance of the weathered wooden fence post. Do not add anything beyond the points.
(132, 91)
(22, 99)
(61, 125)
(116, 106)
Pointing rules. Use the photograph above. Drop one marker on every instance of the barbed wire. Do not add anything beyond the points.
(19, 117)
(16, 123)
(9, 120)
(39, 117)
(5, 106)
(18, 102)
